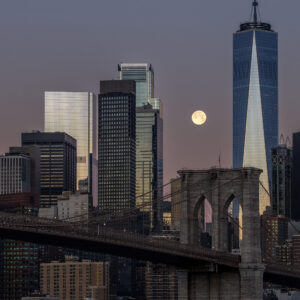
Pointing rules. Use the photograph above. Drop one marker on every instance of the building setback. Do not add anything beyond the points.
(57, 163)
(255, 100)
(116, 148)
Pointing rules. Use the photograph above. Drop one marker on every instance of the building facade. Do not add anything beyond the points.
(57, 163)
(19, 264)
(296, 178)
(74, 280)
(149, 164)
(14, 174)
(143, 75)
(72, 113)
(117, 145)
(34, 153)
(255, 100)
(281, 187)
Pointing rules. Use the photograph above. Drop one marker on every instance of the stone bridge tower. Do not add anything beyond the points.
(220, 187)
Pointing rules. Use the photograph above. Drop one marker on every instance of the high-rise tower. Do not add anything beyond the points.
(255, 99)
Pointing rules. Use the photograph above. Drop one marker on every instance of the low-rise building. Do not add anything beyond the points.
(74, 280)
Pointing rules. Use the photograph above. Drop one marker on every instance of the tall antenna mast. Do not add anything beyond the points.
(255, 4)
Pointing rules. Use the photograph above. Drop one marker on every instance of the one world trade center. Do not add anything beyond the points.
(255, 99)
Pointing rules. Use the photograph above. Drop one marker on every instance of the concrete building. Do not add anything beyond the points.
(74, 206)
(73, 113)
(14, 174)
(74, 280)
(58, 163)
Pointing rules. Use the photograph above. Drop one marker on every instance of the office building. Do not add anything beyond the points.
(34, 153)
(116, 148)
(143, 75)
(255, 100)
(149, 164)
(296, 250)
(72, 113)
(14, 174)
(284, 253)
(274, 233)
(19, 264)
(74, 207)
(281, 187)
(74, 280)
(57, 163)
(295, 206)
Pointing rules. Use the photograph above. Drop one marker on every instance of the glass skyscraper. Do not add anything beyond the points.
(143, 75)
(149, 142)
(149, 164)
(72, 113)
(255, 99)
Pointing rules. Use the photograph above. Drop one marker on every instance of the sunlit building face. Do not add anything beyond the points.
(255, 101)
(72, 112)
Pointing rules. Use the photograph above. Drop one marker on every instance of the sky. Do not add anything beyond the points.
(70, 45)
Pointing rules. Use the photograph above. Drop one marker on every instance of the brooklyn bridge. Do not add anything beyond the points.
(217, 270)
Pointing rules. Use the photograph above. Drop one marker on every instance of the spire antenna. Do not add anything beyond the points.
(255, 4)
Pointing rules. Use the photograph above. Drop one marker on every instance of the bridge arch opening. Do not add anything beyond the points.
(234, 213)
(202, 219)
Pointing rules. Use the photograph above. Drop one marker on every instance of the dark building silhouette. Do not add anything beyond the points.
(57, 163)
(116, 145)
(296, 177)
(281, 191)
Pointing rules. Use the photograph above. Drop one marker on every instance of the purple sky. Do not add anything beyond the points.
(72, 44)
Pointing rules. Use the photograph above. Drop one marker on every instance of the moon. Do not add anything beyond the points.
(199, 117)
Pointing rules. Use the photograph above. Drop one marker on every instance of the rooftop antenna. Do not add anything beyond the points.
(255, 4)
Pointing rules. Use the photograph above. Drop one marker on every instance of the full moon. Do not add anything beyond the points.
(199, 117)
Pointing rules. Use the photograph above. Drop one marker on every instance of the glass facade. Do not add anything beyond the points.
(255, 102)
(282, 164)
(143, 75)
(116, 145)
(57, 163)
(72, 113)
(149, 163)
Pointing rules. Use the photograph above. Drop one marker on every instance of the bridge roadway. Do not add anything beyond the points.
(131, 245)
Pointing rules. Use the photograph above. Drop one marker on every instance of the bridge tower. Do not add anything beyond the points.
(220, 187)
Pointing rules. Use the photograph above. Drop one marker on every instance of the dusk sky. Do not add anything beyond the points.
(70, 45)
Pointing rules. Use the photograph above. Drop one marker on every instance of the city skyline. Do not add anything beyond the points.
(183, 73)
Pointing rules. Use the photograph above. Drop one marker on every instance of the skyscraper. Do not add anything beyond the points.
(143, 75)
(72, 113)
(116, 145)
(58, 163)
(282, 166)
(149, 163)
(149, 141)
(296, 177)
(255, 99)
